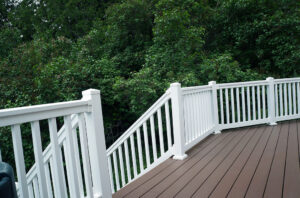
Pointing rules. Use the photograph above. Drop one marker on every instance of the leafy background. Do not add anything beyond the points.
(132, 50)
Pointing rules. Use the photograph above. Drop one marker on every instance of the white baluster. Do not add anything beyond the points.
(58, 172)
(48, 181)
(232, 106)
(167, 112)
(281, 100)
(116, 170)
(85, 155)
(140, 151)
(19, 159)
(238, 103)
(160, 132)
(243, 104)
(146, 143)
(70, 159)
(294, 98)
(153, 139)
(120, 151)
(248, 103)
(258, 102)
(38, 155)
(127, 161)
(36, 188)
(253, 104)
(227, 106)
(221, 106)
(133, 156)
(290, 99)
(110, 175)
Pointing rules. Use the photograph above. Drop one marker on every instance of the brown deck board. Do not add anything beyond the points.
(275, 180)
(130, 188)
(202, 175)
(159, 178)
(156, 190)
(291, 187)
(224, 186)
(258, 161)
(259, 180)
(208, 186)
(241, 184)
(298, 129)
(182, 181)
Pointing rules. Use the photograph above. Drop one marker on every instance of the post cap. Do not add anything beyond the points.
(176, 84)
(270, 78)
(90, 92)
(212, 82)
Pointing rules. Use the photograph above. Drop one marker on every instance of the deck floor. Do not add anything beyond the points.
(259, 161)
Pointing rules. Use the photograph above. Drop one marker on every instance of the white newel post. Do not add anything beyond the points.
(271, 101)
(178, 122)
(215, 106)
(96, 145)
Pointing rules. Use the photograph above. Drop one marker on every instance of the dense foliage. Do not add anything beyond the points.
(132, 50)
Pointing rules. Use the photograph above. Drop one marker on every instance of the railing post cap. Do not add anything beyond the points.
(212, 82)
(91, 92)
(176, 84)
(270, 78)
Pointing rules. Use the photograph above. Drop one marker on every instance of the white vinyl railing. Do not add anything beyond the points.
(143, 146)
(287, 98)
(61, 170)
(73, 164)
(197, 113)
(242, 104)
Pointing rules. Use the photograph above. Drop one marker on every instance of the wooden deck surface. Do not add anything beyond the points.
(259, 161)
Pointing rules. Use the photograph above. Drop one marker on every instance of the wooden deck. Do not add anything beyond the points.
(259, 161)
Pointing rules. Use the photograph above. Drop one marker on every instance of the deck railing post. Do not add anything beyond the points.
(96, 145)
(215, 110)
(178, 122)
(271, 101)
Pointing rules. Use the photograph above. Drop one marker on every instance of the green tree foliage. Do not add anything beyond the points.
(262, 35)
(132, 50)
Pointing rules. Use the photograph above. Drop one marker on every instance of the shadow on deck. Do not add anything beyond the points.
(259, 161)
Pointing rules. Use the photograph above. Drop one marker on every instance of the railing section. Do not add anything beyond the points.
(287, 98)
(148, 142)
(72, 165)
(242, 104)
(63, 169)
(198, 114)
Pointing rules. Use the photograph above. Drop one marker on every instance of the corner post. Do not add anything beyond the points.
(96, 145)
(213, 85)
(178, 122)
(271, 101)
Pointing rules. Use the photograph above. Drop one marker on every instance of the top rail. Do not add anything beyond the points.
(195, 89)
(21, 115)
(242, 84)
(285, 80)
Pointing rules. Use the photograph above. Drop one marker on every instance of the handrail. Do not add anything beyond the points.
(190, 90)
(283, 80)
(241, 84)
(39, 112)
(137, 123)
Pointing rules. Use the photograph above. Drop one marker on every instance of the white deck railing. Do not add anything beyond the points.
(178, 120)
(61, 170)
